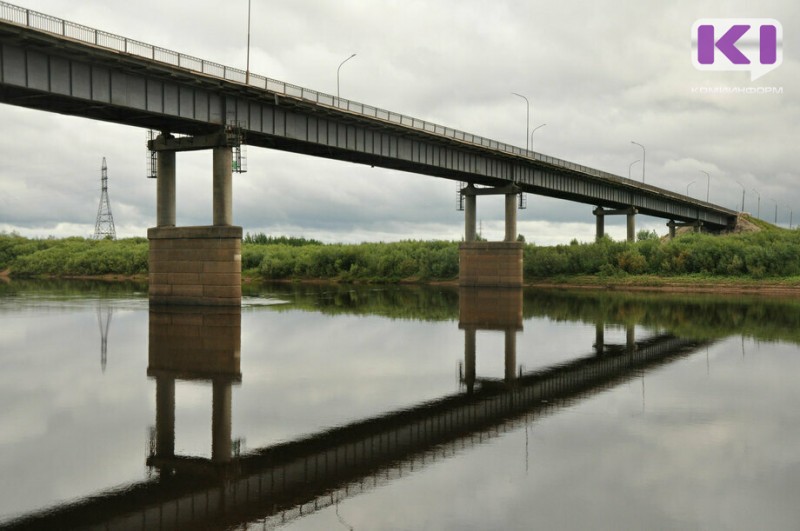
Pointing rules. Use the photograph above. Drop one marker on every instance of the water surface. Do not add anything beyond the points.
(327, 407)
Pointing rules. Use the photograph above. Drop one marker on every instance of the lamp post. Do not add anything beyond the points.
(247, 71)
(527, 121)
(534, 130)
(776, 210)
(740, 184)
(687, 187)
(758, 210)
(631, 166)
(644, 157)
(708, 183)
(790, 216)
(337, 73)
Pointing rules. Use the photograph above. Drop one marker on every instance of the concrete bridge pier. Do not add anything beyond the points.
(195, 265)
(490, 264)
(600, 214)
(631, 215)
(165, 189)
(672, 224)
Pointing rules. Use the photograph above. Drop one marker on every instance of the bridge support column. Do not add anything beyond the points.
(600, 214)
(600, 222)
(223, 186)
(490, 264)
(195, 265)
(165, 189)
(511, 218)
(470, 216)
(672, 224)
(632, 225)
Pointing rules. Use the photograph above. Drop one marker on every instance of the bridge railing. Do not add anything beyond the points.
(39, 21)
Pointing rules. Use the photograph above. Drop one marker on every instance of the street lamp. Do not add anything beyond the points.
(528, 121)
(708, 183)
(758, 211)
(337, 73)
(687, 187)
(534, 130)
(247, 74)
(631, 166)
(776, 210)
(740, 184)
(644, 157)
(790, 216)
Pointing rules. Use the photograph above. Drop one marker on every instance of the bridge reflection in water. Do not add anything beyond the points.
(278, 483)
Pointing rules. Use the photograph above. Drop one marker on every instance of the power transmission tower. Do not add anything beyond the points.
(104, 226)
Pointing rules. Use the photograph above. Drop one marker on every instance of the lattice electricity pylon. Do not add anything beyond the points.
(104, 225)
(152, 156)
(460, 196)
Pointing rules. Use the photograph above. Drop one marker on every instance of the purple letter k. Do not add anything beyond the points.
(726, 44)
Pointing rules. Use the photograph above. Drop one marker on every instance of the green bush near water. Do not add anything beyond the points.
(72, 256)
(385, 262)
(766, 254)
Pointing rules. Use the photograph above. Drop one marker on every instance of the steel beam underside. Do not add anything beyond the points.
(77, 79)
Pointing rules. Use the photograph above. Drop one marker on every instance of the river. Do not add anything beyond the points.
(361, 407)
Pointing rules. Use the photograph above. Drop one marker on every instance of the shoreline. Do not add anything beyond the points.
(640, 283)
(775, 289)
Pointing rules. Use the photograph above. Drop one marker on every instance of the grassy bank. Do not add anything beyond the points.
(755, 259)
(72, 257)
(420, 261)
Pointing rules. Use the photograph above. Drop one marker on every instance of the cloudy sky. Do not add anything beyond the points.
(599, 74)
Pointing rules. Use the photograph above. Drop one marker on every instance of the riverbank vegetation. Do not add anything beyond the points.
(768, 254)
(76, 257)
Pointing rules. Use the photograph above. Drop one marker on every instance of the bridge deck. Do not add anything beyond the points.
(59, 66)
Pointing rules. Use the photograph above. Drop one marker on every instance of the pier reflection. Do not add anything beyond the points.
(280, 482)
(482, 309)
(198, 345)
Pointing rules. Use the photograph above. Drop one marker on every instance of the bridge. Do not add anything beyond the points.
(58, 66)
(278, 483)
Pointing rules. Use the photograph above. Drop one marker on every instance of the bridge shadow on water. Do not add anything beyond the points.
(278, 483)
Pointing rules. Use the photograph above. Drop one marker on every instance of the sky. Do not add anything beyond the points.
(598, 75)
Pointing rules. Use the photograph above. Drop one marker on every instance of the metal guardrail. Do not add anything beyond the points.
(49, 24)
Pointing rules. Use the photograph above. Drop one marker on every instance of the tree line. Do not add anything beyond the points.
(765, 254)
